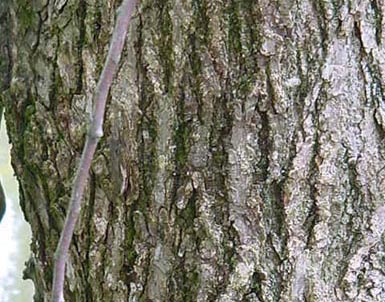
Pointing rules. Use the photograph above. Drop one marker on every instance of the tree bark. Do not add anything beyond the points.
(243, 156)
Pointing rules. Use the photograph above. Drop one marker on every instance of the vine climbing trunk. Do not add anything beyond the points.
(95, 132)
(243, 153)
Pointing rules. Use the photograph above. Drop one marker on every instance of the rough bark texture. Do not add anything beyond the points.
(243, 156)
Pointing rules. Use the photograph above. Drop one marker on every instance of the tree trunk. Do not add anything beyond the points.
(243, 156)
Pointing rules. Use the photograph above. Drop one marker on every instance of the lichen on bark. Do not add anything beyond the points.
(243, 153)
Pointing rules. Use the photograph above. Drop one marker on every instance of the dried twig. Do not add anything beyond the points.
(94, 134)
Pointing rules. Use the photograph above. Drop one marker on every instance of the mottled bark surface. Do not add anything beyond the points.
(243, 156)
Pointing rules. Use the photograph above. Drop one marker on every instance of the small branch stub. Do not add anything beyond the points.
(96, 133)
